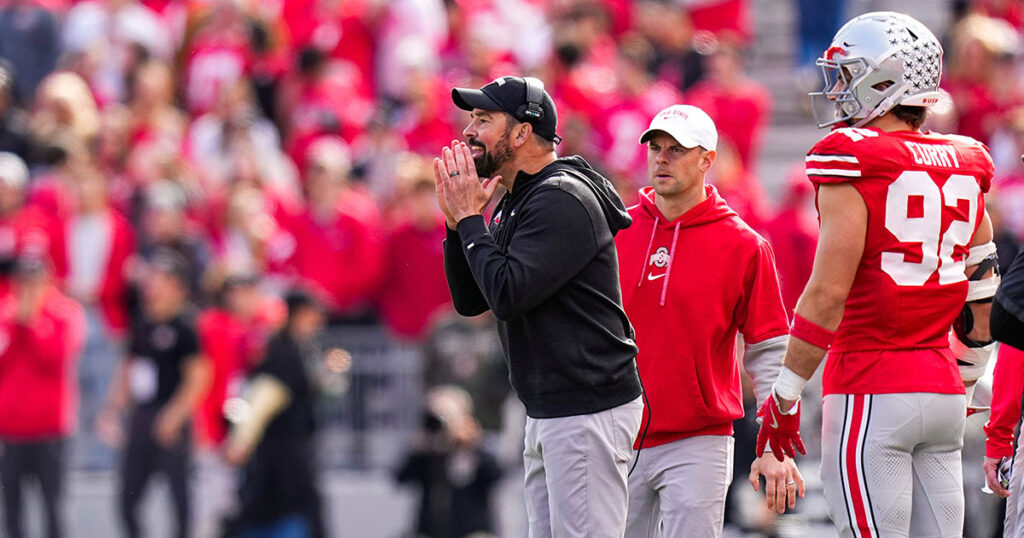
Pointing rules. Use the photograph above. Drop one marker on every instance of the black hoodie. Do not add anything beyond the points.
(548, 269)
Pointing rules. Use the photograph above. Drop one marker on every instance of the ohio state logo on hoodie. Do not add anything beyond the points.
(660, 257)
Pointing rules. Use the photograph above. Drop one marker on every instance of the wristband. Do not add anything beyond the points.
(789, 384)
(811, 333)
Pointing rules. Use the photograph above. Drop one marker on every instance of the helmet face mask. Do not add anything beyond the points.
(876, 62)
(836, 101)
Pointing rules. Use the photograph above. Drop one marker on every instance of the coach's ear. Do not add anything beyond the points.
(707, 159)
(521, 133)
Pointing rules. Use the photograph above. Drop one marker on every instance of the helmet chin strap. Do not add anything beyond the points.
(886, 105)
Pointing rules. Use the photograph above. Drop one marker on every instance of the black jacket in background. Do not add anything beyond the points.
(450, 507)
(1007, 319)
(548, 269)
(280, 478)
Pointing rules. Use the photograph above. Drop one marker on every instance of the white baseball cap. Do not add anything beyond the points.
(13, 170)
(689, 125)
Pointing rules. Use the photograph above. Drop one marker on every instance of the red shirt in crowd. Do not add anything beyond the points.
(113, 286)
(740, 113)
(214, 62)
(979, 109)
(342, 254)
(793, 233)
(24, 230)
(1009, 192)
(626, 119)
(729, 18)
(52, 204)
(340, 31)
(327, 105)
(1011, 12)
(232, 346)
(52, 198)
(38, 379)
(415, 289)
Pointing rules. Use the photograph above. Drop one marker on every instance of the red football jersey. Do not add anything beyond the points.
(924, 196)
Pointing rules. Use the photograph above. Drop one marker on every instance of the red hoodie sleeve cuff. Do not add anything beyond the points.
(998, 441)
(998, 450)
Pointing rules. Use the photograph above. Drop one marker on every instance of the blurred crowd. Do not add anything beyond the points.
(279, 143)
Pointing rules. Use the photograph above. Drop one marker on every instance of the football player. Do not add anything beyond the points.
(905, 242)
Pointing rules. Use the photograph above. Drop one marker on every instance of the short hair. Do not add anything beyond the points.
(174, 265)
(298, 299)
(544, 142)
(913, 115)
(511, 122)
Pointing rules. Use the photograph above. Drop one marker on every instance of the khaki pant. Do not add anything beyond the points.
(678, 489)
(576, 472)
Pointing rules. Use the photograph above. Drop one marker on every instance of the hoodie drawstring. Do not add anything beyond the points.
(671, 257)
(643, 263)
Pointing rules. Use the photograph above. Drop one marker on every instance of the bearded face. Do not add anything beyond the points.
(489, 160)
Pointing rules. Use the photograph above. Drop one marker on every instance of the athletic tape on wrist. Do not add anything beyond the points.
(789, 385)
(811, 333)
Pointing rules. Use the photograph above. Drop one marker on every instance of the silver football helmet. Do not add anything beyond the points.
(875, 62)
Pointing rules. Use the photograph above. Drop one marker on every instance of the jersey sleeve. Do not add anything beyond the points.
(986, 169)
(977, 159)
(835, 158)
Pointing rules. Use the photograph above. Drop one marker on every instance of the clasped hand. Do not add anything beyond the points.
(460, 193)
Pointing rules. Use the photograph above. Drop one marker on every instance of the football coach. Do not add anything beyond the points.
(546, 265)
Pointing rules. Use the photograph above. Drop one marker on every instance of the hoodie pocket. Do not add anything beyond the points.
(675, 394)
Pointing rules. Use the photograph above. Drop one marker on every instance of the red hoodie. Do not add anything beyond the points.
(1007, 387)
(38, 384)
(687, 309)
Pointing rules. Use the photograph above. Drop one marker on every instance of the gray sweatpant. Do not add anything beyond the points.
(890, 464)
(1013, 524)
(678, 489)
(576, 472)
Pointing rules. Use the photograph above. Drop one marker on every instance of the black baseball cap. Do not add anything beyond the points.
(240, 280)
(173, 264)
(30, 266)
(508, 94)
(299, 298)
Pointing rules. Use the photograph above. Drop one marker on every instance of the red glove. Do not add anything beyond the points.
(778, 430)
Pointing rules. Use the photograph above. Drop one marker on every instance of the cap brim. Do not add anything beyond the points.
(684, 140)
(468, 99)
(30, 269)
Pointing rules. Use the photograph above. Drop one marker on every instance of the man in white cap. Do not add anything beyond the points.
(20, 229)
(693, 275)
